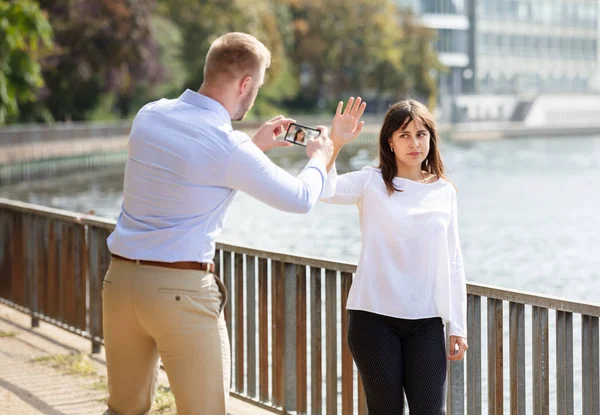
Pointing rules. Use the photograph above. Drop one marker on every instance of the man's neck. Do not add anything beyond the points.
(219, 96)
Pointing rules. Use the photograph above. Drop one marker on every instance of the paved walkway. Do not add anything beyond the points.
(50, 371)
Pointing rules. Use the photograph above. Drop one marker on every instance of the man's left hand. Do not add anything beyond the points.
(266, 136)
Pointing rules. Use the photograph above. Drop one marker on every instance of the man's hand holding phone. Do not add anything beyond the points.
(266, 136)
(320, 147)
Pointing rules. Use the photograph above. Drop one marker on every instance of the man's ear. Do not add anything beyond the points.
(245, 84)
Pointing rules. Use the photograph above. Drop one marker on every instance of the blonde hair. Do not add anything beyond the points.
(233, 55)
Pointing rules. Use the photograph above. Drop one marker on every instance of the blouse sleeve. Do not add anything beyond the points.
(346, 189)
(458, 284)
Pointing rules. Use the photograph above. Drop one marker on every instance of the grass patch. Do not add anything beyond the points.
(4, 334)
(100, 385)
(164, 402)
(72, 363)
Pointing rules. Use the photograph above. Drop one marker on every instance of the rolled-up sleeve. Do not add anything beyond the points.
(252, 172)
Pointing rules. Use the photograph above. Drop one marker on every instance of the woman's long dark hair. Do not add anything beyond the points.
(398, 117)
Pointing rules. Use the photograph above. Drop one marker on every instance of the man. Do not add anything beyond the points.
(185, 164)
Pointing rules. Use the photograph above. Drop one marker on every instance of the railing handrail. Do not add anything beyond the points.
(483, 290)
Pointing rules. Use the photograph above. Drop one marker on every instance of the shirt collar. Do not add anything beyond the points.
(202, 101)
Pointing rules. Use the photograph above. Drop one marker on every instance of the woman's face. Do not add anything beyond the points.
(300, 136)
(411, 145)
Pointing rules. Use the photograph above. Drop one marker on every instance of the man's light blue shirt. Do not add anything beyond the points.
(184, 167)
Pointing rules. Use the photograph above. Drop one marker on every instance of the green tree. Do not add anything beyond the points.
(202, 22)
(102, 47)
(24, 34)
(342, 45)
(366, 47)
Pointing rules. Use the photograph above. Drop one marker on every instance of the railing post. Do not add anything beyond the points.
(251, 319)
(495, 358)
(278, 346)
(590, 364)
(564, 363)
(98, 262)
(541, 378)
(263, 330)
(290, 339)
(347, 362)
(238, 260)
(474, 355)
(227, 276)
(31, 258)
(455, 404)
(332, 340)
(517, 358)
(316, 338)
(301, 345)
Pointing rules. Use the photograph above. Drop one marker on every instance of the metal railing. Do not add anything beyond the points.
(288, 324)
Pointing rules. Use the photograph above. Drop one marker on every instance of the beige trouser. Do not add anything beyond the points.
(150, 311)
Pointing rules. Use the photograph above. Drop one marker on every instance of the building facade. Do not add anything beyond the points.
(537, 46)
(514, 47)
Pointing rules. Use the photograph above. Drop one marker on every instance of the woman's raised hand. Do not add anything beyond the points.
(346, 126)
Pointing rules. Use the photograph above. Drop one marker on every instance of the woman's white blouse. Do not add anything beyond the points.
(410, 263)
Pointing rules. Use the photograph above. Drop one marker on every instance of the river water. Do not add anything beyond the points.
(529, 211)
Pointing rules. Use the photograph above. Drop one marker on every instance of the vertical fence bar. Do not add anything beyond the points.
(227, 276)
(52, 271)
(251, 318)
(98, 262)
(67, 261)
(289, 329)
(331, 338)
(316, 373)
(263, 330)
(278, 304)
(495, 358)
(41, 265)
(5, 254)
(301, 349)
(217, 261)
(517, 358)
(541, 378)
(17, 260)
(362, 401)
(81, 277)
(590, 364)
(474, 355)
(564, 363)
(239, 322)
(31, 257)
(347, 362)
(456, 387)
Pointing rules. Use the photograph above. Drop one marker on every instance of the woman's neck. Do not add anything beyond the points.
(410, 173)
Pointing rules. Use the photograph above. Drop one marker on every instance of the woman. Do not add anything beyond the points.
(410, 277)
(299, 136)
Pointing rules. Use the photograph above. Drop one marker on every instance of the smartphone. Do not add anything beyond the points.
(300, 134)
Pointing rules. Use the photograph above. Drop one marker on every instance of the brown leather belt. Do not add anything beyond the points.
(198, 266)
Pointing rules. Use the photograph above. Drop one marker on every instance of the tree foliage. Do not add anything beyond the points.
(24, 34)
(102, 46)
(202, 22)
(112, 56)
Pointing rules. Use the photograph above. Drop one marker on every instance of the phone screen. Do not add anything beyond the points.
(300, 134)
